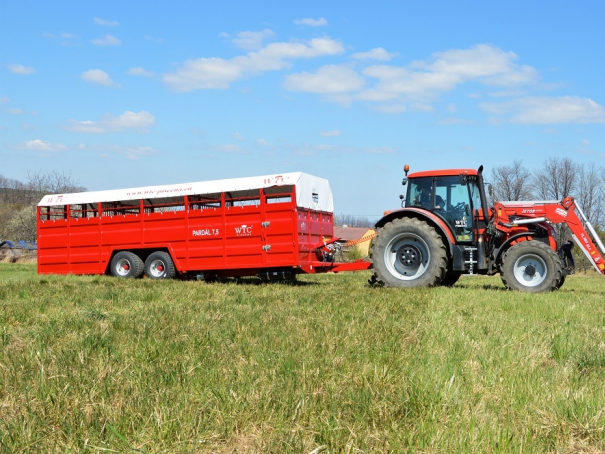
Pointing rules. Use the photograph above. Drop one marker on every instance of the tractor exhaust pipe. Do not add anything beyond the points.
(482, 194)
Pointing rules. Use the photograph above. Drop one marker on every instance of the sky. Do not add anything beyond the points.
(123, 94)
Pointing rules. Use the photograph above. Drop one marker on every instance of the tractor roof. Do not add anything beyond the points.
(442, 172)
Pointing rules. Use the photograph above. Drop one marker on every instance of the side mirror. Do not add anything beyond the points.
(490, 190)
(463, 179)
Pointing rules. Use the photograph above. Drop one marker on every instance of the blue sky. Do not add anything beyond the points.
(135, 93)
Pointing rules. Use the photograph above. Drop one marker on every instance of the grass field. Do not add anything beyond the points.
(97, 364)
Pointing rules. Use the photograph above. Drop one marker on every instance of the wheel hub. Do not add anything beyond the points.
(530, 270)
(410, 256)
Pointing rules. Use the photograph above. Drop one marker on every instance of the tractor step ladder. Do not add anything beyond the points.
(471, 259)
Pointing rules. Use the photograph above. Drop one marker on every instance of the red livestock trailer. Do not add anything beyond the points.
(273, 226)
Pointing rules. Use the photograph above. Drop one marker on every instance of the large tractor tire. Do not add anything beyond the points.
(408, 252)
(451, 277)
(531, 266)
(126, 264)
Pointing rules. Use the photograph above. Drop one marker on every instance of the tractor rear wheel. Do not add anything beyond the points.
(408, 252)
(159, 265)
(451, 277)
(531, 266)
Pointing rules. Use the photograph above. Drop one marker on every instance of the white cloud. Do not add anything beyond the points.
(140, 72)
(311, 150)
(332, 133)
(419, 82)
(40, 145)
(107, 40)
(239, 136)
(327, 79)
(228, 148)
(312, 22)
(444, 71)
(4, 99)
(67, 39)
(136, 121)
(548, 110)
(391, 109)
(262, 142)
(15, 111)
(99, 77)
(218, 73)
(252, 40)
(133, 152)
(456, 121)
(375, 54)
(20, 69)
(154, 40)
(106, 23)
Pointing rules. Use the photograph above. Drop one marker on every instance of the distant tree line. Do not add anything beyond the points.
(352, 221)
(18, 201)
(556, 179)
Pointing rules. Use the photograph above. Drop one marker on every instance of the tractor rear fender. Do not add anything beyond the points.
(440, 226)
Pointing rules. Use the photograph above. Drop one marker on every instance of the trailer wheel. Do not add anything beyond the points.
(127, 264)
(531, 266)
(408, 252)
(159, 265)
(451, 277)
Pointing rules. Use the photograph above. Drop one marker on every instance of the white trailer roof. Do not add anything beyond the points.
(311, 192)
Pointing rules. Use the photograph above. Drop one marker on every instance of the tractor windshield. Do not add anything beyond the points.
(447, 198)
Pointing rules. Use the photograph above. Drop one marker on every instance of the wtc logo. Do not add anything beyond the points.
(244, 230)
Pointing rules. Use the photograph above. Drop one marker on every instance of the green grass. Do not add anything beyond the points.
(97, 364)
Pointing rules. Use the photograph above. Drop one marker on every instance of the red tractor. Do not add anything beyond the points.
(446, 229)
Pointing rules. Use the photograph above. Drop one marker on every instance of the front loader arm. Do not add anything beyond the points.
(583, 238)
(511, 216)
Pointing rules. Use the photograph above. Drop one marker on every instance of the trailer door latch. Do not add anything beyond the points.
(265, 224)
(267, 247)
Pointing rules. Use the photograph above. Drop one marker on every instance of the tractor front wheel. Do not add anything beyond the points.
(408, 252)
(531, 266)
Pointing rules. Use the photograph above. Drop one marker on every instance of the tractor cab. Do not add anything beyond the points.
(453, 195)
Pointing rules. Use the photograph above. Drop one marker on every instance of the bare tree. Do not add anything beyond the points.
(590, 192)
(557, 179)
(18, 200)
(352, 221)
(11, 191)
(53, 182)
(22, 224)
(511, 182)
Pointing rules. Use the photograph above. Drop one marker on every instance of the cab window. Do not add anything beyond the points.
(447, 198)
